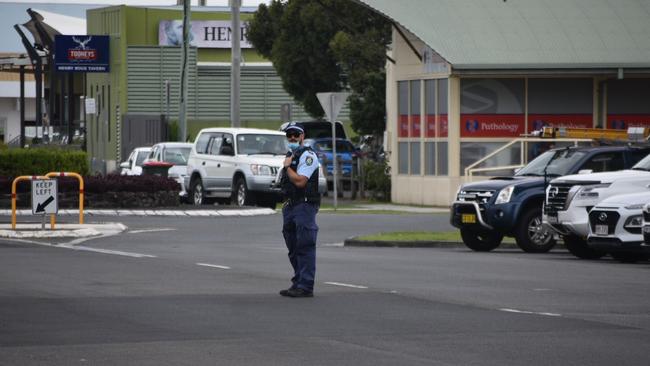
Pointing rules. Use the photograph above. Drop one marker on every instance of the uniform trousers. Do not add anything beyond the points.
(300, 230)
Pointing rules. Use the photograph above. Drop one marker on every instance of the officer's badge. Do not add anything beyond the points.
(309, 160)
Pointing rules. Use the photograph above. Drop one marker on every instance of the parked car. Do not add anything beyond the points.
(570, 198)
(345, 150)
(133, 165)
(487, 211)
(237, 165)
(319, 129)
(615, 225)
(176, 153)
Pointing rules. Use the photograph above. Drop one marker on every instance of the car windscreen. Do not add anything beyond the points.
(644, 164)
(556, 163)
(314, 130)
(341, 146)
(176, 155)
(249, 144)
(141, 156)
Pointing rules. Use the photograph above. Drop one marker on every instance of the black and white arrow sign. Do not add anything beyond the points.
(44, 196)
(41, 206)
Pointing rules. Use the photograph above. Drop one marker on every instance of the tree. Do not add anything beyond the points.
(327, 45)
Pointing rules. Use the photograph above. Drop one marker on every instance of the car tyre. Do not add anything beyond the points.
(480, 240)
(531, 235)
(578, 247)
(197, 193)
(241, 196)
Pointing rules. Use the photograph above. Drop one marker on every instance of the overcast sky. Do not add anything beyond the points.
(137, 2)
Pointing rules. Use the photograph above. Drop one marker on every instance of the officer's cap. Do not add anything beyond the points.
(294, 126)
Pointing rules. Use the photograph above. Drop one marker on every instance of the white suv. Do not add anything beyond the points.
(570, 198)
(236, 164)
(615, 226)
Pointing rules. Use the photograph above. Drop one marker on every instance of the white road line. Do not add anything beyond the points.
(212, 265)
(70, 245)
(341, 244)
(344, 285)
(529, 312)
(108, 251)
(150, 230)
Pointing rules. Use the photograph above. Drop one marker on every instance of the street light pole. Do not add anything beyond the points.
(235, 65)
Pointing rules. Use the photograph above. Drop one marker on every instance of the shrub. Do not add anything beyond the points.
(377, 179)
(111, 190)
(16, 162)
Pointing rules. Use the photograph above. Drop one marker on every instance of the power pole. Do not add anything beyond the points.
(182, 110)
(235, 65)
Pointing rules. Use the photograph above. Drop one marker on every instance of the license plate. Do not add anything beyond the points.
(602, 230)
(468, 219)
(551, 219)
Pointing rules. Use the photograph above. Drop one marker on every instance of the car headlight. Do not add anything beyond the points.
(259, 169)
(504, 195)
(636, 206)
(589, 192)
(634, 222)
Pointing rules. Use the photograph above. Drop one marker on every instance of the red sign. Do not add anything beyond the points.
(442, 126)
(77, 55)
(623, 121)
(415, 126)
(491, 125)
(537, 121)
(403, 126)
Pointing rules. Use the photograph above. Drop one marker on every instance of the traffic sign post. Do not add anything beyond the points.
(332, 104)
(44, 198)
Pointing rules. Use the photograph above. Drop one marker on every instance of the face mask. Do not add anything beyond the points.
(294, 145)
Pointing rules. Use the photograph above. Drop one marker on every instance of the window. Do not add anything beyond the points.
(605, 162)
(202, 143)
(403, 157)
(415, 158)
(414, 111)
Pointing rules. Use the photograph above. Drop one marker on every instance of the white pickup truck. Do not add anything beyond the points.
(570, 198)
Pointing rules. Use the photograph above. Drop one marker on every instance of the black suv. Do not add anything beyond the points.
(487, 211)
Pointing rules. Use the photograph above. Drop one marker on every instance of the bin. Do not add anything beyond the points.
(159, 168)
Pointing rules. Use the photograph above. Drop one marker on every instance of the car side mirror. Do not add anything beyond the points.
(585, 171)
(125, 165)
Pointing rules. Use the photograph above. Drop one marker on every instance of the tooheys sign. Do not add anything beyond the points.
(203, 33)
(81, 53)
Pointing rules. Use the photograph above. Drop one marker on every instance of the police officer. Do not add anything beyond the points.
(302, 201)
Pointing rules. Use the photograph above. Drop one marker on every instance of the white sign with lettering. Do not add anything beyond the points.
(203, 33)
(44, 194)
(91, 107)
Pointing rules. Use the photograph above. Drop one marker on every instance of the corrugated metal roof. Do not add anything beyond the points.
(482, 34)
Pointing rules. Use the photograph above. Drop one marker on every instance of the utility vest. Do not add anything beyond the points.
(294, 194)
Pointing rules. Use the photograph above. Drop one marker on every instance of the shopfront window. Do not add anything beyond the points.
(435, 109)
(560, 103)
(627, 103)
(492, 108)
(414, 120)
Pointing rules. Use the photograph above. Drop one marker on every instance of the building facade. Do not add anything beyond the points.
(469, 76)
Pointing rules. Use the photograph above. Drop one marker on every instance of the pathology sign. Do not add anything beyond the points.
(491, 125)
(81, 53)
(203, 33)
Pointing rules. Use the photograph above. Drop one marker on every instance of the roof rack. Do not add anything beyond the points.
(632, 134)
